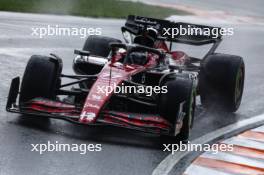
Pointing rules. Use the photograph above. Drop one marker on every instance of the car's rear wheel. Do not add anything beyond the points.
(41, 79)
(97, 46)
(221, 81)
(180, 91)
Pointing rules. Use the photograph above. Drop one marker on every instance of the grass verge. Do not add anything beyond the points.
(92, 8)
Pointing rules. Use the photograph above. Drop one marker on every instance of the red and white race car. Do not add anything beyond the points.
(141, 84)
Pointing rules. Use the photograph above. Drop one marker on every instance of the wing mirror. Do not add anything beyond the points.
(82, 52)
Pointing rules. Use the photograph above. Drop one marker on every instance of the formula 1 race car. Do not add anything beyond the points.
(140, 84)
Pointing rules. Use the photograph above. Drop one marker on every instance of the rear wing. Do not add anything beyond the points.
(170, 31)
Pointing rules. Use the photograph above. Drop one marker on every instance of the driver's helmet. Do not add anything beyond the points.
(148, 37)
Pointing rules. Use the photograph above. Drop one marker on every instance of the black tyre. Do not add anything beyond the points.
(179, 90)
(41, 79)
(221, 81)
(99, 45)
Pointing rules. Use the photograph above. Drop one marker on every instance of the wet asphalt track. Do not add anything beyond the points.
(123, 151)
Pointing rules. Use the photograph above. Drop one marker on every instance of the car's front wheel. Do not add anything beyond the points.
(179, 100)
(41, 79)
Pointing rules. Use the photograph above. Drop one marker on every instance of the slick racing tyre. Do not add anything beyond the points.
(41, 79)
(221, 81)
(99, 45)
(180, 91)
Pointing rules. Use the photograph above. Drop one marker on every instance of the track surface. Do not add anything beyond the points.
(123, 152)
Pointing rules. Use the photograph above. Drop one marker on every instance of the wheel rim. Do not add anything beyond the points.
(239, 85)
(191, 109)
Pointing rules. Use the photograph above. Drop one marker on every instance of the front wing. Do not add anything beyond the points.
(59, 110)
